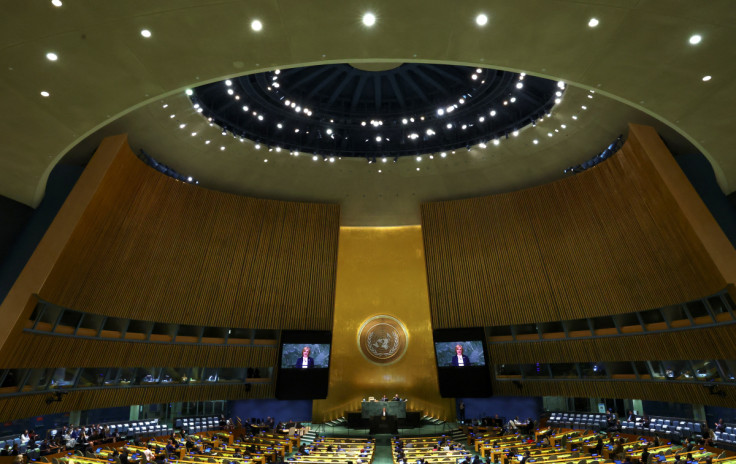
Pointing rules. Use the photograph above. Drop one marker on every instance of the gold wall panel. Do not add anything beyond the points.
(381, 271)
(612, 239)
(153, 248)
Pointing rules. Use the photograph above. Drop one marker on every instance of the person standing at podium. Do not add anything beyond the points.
(460, 360)
(305, 362)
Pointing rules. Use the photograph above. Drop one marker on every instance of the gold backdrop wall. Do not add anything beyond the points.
(381, 271)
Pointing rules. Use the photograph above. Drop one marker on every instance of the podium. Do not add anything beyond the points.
(396, 409)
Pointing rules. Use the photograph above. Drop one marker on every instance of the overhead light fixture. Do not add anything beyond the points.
(51, 56)
(593, 22)
(56, 3)
(481, 19)
(146, 33)
(695, 39)
(45, 93)
(189, 92)
(256, 25)
(369, 19)
(706, 78)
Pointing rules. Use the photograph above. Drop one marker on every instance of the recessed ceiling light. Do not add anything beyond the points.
(695, 39)
(194, 134)
(189, 92)
(45, 93)
(369, 19)
(51, 56)
(515, 133)
(222, 148)
(146, 33)
(535, 141)
(56, 3)
(593, 22)
(256, 25)
(706, 78)
(496, 141)
(481, 19)
(519, 85)
(206, 142)
(265, 160)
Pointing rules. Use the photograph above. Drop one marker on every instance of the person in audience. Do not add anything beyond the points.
(124, 456)
(170, 447)
(460, 360)
(598, 446)
(645, 422)
(644, 455)
(720, 426)
(688, 445)
(678, 459)
(24, 437)
(396, 397)
(631, 416)
(617, 454)
(526, 457)
(656, 441)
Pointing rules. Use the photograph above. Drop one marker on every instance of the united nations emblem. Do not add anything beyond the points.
(382, 339)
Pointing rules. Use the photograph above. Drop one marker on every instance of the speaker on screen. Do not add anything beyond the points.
(462, 362)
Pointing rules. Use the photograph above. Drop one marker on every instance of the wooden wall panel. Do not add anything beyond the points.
(695, 344)
(41, 351)
(153, 248)
(655, 391)
(35, 405)
(609, 240)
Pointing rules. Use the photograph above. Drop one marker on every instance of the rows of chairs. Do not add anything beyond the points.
(664, 427)
(131, 428)
(728, 437)
(197, 424)
(578, 420)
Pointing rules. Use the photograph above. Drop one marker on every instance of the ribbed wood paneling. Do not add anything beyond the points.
(654, 391)
(609, 240)
(707, 343)
(39, 351)
(153, 248)
(35, 405)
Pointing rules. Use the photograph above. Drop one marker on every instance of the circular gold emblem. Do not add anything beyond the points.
(382, 339)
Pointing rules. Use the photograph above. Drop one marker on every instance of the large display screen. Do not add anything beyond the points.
(305, 356)
(462, 362)
(304, 366)
(460, 353)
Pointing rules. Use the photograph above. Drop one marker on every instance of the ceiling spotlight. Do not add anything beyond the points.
(440, 112)
(496, 141)
(464, 126)
(535, 141)
(574, 117)
(378, 138)
(260, 117)
(403, 121)
(419, 158)
(481, 19)
(593, 22)
(384, 159)
(557, 101)
(695, 39)
(256, 25)
(315, 158)
(706, 78)
(182, 126)
(515, 133)
(280, 126)
(519, 85)
(563, 126)
(146, 33)
(332, 159)
(222, 148)
(369, 19)
(51, 56)
(189, 92)
(56, 3)
(481, 119)
(45, 93)
(443, 154)
(492, 113)
(449, 125)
